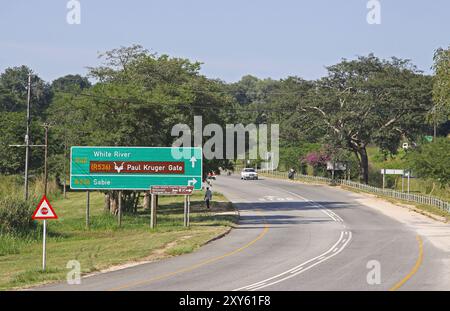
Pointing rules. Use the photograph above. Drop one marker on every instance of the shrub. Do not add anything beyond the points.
(431, 160)
(15, 216)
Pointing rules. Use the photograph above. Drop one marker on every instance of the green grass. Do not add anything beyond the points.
(377, 162)
(420, 207)
(12, 185)
(417, 185)
(106, 244)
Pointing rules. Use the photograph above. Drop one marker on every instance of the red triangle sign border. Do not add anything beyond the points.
(44, 199)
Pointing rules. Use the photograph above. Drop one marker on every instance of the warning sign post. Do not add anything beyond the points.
(43, 212)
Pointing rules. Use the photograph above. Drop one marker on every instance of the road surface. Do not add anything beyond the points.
(292, 236)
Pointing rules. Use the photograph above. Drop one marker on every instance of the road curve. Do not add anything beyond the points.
(291, 237)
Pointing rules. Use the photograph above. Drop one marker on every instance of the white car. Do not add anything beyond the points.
(249, 173)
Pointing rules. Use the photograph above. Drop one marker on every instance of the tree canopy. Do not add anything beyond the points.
(135, 97)
(441, 88)
(364, 101)
(431, 160)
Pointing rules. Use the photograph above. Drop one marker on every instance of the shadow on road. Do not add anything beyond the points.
(285, 219)
(293, 206)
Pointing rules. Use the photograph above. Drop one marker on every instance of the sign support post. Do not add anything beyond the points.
(153, 210)
(87, 209)
(44, 244)
(185, 211)
(409, 176)
(188, 209)
(385, 172)
(120, 209)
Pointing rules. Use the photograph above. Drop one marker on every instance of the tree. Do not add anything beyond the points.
(431, 160)
(13, 106)
(369, 100)
(70, 83)
(137, 100)
(441, 86)
(281, 108)
(13, 91)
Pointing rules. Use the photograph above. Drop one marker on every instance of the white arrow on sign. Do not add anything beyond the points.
(193, 160)
(192, 182)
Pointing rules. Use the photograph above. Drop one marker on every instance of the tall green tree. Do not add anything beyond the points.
(441, 86)
(13, 106)
(369, 100)
(138, 98)
(13, 91)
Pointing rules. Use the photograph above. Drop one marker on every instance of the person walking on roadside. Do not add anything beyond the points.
(208, 197)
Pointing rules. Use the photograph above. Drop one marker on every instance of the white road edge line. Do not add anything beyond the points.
(306, 269)
(335, 249)
(294, 268)
(322, 208)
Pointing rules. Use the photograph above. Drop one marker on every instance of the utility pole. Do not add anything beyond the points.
(46, 126)
(27, 136)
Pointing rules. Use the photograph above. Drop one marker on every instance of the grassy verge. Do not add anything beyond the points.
(421, 208)
(105, 244)
(297, 179)
(425, 209)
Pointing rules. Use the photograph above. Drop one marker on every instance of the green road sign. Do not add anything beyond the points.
(429, 138)
(134, 168)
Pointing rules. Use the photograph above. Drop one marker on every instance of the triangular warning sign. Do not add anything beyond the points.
(44, 210)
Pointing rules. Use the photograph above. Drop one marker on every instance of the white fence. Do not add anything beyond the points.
(410, 197)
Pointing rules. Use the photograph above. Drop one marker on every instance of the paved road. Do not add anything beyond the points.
(292, 237)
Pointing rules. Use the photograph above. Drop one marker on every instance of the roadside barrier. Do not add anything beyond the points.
(409, 197)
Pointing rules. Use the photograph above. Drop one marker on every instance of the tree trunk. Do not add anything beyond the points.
(363, 165)
(114, 207)
(146, 200)
(107, 202)
(136, 201)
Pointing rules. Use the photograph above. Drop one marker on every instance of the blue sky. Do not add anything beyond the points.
(232, 38)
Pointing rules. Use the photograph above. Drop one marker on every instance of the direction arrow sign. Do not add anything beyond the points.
(44, 210)
(172, 190)
(193, 160)
(386, 171)
(135, 168)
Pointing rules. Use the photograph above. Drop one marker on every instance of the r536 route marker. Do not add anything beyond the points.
(135, 168)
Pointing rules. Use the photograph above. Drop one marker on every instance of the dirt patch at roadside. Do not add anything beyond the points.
(436, 231)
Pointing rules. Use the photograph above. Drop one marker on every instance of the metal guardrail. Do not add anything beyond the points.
(410, 197)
